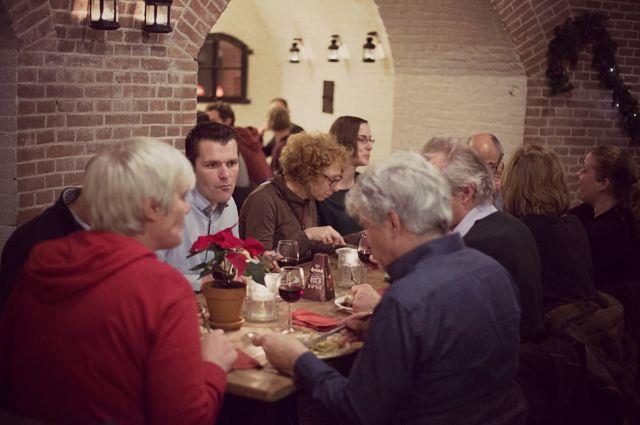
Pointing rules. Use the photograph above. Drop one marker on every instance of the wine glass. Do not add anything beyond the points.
(287, 253)
(364, 250)
(290, 288)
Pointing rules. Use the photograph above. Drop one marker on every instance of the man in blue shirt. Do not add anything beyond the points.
(212, 149)
(442, 346)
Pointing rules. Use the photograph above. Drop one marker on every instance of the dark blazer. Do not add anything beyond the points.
(508, 241)
(55, 222)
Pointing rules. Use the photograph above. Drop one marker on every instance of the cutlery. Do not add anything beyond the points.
(337, 329)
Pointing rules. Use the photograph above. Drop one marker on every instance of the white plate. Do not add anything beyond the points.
(338, 302)
(333, 354)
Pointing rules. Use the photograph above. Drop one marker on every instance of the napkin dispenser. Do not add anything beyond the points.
(319, 285)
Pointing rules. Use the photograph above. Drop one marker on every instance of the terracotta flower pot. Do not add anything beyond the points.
(225, 304)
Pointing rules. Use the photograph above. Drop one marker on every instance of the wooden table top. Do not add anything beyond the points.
(267, 384)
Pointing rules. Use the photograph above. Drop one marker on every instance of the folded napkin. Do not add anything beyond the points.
(244, 361)
(315, 321)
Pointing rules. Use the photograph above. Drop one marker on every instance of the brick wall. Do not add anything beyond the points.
(575, 121)
(80, 89)
(8, 196)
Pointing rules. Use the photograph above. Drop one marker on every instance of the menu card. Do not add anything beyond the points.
(319, 285)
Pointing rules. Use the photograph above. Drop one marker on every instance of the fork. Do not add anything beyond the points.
(204, 317)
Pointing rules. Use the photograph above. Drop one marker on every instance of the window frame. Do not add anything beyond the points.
(214, 39)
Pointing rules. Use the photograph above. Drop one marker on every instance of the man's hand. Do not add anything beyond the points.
(365, 298)
(216, 348)
(325, 234)
(356, 324)
(282, 350)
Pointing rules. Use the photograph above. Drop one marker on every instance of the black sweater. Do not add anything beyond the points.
(565, 259)
(507, 240)
(615, 250)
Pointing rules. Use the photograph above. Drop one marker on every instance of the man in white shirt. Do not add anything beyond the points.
(212, 149)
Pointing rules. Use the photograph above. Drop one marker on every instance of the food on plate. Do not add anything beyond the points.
(333, 345)
(347, 301)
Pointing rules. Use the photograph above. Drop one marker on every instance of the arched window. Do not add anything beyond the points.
(223, 69)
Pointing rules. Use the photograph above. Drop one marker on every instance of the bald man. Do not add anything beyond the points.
(489, 148)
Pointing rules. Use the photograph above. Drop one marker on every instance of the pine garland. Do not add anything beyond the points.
(570, 38)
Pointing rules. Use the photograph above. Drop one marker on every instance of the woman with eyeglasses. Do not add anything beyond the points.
(285, 207)
(355, 135)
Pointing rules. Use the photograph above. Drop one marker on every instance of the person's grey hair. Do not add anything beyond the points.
(119, 180)
(461, 166)
(407, 184)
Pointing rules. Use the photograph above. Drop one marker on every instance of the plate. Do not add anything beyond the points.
(339, 301)
(326, 351)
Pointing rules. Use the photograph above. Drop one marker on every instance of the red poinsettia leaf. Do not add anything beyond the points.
(238, 260)
(202, 243)
(254, 247)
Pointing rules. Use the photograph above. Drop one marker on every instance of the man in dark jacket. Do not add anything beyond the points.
(493, 232)
(66, 216)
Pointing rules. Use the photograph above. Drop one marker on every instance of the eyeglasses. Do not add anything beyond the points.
(363, 140)
(332, 180)
(497, 167)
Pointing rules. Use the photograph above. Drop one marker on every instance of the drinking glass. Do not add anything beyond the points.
(364, 250)
(288, 254)
(291, 288)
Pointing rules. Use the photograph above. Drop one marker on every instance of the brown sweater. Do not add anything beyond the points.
(273, 212)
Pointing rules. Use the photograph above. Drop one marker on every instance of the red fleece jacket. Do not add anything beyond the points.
(99, 330)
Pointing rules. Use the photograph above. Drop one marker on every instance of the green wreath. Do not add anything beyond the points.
(564, 50)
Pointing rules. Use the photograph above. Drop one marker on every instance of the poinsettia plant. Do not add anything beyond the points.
(230, 257)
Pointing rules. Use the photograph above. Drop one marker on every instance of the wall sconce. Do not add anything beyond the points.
(157, 16)
(369, 49)
(332, 50)
(294, 51)
(104, 15)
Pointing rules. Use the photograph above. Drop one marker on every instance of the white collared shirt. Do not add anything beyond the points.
(477, 213)
(202, 219)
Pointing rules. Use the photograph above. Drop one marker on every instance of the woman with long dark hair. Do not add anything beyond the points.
(355, 135)
(609, 187)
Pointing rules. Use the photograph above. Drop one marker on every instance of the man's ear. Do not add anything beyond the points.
(467, 194)
(393, 224)
(151, 209)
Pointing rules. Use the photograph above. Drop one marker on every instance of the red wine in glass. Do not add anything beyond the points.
(291, 293)
(287, 261)
(364, 255)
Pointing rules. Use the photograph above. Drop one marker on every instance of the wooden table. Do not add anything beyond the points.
(267, 384)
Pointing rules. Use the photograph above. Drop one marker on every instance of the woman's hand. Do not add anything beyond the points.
(325, 234)
(216, 348)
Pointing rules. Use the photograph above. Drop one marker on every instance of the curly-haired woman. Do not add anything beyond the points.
(285, 207)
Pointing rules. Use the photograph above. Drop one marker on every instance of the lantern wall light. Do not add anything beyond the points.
(369, 49)
(157, 16)
(333, 49)
(294, 51)
(103, 15)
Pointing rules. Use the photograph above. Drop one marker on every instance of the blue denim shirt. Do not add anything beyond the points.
(443, 339)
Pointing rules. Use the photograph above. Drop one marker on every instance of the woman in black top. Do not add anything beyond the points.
(354, 134)
(535, 190)
(608, 186)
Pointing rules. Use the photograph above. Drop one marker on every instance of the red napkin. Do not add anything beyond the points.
(244, 361)
(315, 321)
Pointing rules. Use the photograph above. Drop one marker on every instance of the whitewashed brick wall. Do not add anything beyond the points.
(456, 72)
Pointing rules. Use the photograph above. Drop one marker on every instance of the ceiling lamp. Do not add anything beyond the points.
(157, 16)
(103, 15)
